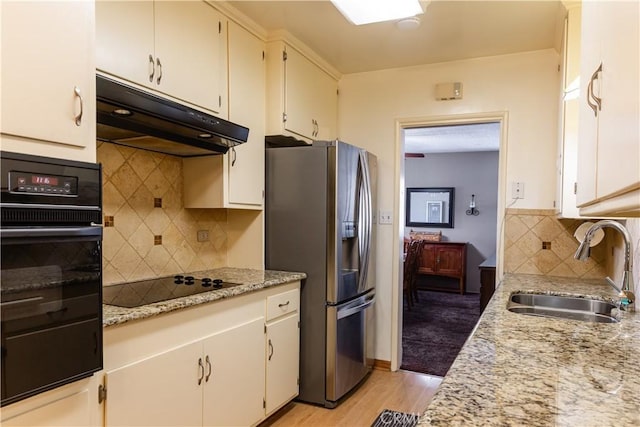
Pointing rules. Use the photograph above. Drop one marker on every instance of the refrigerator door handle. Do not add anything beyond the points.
(348, 311)
(365, 220)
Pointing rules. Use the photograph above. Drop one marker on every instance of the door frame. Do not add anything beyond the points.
(401, 124)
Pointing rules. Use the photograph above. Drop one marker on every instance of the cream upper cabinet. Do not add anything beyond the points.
(236, 179)
(48, 79)
(302, 98)
(174, 47)
(245, 162)
(609, 119)
(569, 107)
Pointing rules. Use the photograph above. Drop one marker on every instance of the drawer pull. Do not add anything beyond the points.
(283, 305)
(201, 369)
(206, 379)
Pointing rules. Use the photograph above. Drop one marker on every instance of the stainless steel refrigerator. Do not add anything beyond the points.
(319, 205)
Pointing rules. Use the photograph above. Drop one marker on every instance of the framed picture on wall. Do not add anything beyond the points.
(435, 213)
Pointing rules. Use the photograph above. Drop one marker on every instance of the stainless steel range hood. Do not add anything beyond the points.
(131, 117)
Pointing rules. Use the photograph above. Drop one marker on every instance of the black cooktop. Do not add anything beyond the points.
(135, 294)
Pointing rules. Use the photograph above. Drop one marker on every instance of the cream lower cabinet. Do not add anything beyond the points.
(48, 79)
(282, 362)
(69, 405)
(216, 381)
(283, 349)
(205, 365)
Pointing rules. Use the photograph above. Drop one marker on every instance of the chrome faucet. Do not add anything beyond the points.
(625, 292)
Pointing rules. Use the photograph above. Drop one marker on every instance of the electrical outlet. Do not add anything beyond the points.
(517, 191)
(385, 217)
(203, 235)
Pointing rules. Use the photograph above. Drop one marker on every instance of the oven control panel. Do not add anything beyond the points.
(41, 184)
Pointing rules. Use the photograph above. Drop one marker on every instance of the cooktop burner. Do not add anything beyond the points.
(135, 294)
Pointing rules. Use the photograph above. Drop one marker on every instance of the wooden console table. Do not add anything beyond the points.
(447, 259)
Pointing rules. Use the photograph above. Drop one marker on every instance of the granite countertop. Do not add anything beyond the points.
(249, 280)
(519, 370)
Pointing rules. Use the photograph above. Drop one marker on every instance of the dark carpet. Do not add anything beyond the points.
(435, 329)
(389, 418)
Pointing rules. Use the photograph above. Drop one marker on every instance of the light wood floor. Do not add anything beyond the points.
(400, 391)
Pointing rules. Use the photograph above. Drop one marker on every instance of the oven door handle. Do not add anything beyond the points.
(52, 232)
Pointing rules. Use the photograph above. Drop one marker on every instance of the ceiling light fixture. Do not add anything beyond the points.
(408, 24)
(361, 12)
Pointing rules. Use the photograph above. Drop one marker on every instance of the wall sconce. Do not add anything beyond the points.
(472, 207)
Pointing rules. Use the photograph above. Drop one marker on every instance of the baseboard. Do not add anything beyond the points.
(383, 365)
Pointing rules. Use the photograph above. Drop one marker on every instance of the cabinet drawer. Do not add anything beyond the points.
(283, 303)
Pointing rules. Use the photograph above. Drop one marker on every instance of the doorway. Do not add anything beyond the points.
(463, 153)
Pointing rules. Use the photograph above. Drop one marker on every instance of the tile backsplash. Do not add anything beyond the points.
(537, 242)
(148, 233)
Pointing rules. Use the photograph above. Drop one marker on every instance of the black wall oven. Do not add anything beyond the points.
(51, 273)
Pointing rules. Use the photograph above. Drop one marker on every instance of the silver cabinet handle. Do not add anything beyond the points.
(596, 76)
(76, 90)
(270, 350)
(206, 379)
(284, 304)
(201, 369)
(152, 69)
(596, 105)
(233, 156)
(159, 66)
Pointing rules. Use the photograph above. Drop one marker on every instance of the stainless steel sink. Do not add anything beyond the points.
(564, 307)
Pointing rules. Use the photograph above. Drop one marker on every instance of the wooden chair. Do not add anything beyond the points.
(410, 269)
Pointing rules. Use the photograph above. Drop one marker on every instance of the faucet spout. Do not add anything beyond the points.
(626, 290)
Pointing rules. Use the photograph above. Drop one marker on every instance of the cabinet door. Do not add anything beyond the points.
(608, 152)
(124, 40)
(68, 411)
(588, 122)
(245, 163)
(234, 389)
(190, 46)
(618, 122)
(449, 260)
(162, 390)
(299, 78)
(310, 98)
(48, 71)
(427, 259)
(325, 96)
(283, 347)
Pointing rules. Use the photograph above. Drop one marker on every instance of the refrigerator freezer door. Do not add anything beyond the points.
(350, 207)
(350, 345)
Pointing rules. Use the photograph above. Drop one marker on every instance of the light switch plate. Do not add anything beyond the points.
(385, 217)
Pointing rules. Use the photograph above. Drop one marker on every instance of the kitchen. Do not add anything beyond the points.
(526, 85)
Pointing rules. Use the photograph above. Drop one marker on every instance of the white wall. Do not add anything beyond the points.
(525, 85)
(469, 173)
